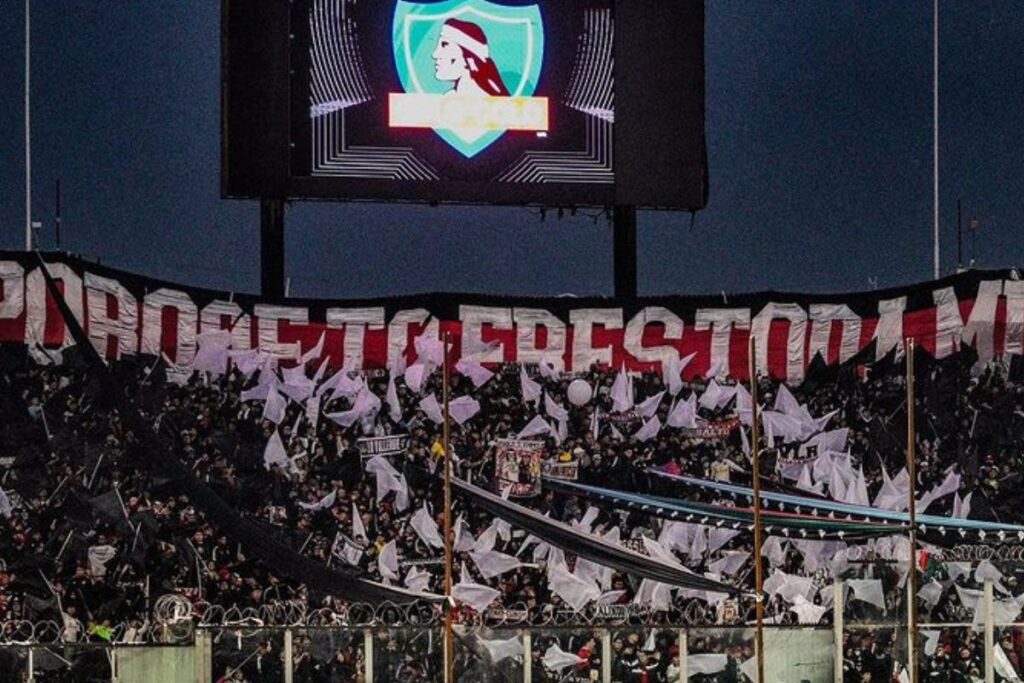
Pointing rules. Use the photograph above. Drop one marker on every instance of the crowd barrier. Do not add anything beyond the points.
(381, 649)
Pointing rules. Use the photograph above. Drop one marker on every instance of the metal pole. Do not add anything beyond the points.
(935, 131)
(755, 454)
(912, 507)
(625, 254)
(528, 657)
(606, 656)
(368, 656)
(272, 220)
(990, 635)
(959, 233)
(449, 654)
(28, 127)
(684, 657)
(838, 624)
(289, 658)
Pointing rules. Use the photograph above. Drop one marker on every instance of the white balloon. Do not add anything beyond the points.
(579, 392)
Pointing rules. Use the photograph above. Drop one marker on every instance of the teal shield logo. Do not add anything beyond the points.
(474, 65)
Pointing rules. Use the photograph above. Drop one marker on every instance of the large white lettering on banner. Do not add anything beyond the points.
(125, 314)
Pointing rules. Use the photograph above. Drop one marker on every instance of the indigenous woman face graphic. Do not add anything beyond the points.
(463, 58)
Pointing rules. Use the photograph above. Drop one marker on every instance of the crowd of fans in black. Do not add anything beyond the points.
(90, 539)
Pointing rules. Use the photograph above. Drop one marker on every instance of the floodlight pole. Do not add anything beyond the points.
(755, 457)
(449, 641)
(935, 136)
(912, 507)
(272, 248)
(28, 127)
(624, 246)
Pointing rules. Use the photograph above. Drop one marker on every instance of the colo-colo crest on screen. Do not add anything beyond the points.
(469, 69)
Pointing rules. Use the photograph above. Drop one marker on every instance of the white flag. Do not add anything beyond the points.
(531, 390)
(324, 503)
(366, 406)
(99, 556)
(6, 508)
(463, 539)
(730, 563)
(387, 561)
(358, 528)
(388, 479)
(432, 408)
(706, 664)
(649, 430)
(534, 427)
(556, 659)
(391, 398)
(716, 396)
(554, 410)
(949, 485)
(547, 369)
(248, 362)
(212, 354)
(500, 650)
(868, 590)
(622, 392)
(275, 453)
(414, 376)
(477, 374)
(463, 409)
(429, 350)
(684, 415)
(417, 580)
(274, 408)
(673, 371)
(962, 508)
(475, 595)
(576, 592)
(340, 384)
(493, 563)
(426, 528)
(649, 407)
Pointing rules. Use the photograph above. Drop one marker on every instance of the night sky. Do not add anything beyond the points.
(819, 134)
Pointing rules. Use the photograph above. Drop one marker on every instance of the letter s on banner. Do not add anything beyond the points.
(634, 342)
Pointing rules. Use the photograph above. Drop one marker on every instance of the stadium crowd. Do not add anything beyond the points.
(90, 539)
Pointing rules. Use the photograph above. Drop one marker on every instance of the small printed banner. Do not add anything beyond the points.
(428, 562)
(566, 471)
(518, 464)
(713, 431)
(619, 612)
(382, 445)
(505, 614)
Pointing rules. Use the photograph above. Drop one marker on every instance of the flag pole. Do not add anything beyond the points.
(912, 508)
(755, 455)
(449, 654)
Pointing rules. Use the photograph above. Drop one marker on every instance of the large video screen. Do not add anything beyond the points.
(554, 102)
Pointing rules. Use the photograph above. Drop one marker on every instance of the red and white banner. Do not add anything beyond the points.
(127, 314)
